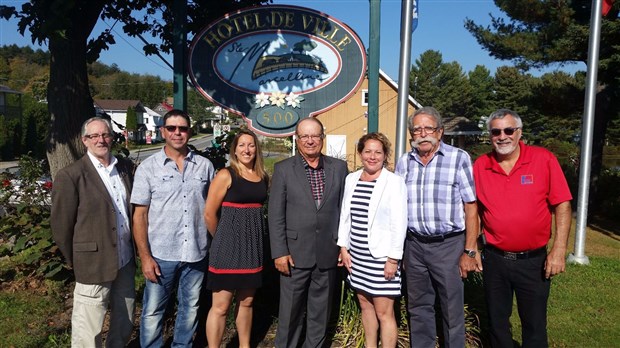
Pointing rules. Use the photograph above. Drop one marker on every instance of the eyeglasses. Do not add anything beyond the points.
(96, 136)
(307, 137)
(428, 130)
(172, 129)
(508, 131)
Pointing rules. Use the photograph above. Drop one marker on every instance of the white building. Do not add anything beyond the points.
(117, 110)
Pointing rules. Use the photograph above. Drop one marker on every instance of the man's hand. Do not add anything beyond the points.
(282, 264)
(555, 263)
(150, 269)
(468, 264)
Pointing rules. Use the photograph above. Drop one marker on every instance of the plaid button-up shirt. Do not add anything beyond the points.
(436, 192)
(316, 178)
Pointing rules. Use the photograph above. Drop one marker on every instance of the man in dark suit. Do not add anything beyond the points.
(90, 222)
(304, 207)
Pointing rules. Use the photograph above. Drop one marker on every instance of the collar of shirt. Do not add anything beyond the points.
(440, 151)
(319, 166)
(525, 157)
(163, 158)
(98, 165)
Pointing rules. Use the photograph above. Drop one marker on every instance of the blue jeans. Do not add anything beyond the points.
(156, 296)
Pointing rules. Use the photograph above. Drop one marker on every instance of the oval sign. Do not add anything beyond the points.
(273, 117)
(277, 60)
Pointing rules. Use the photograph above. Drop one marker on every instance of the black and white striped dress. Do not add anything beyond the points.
(367, 272)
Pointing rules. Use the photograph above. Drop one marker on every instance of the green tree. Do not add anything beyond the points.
(5, 69)
(38, 86)
(545, 33)
(10, 137)
(515, 90)
(131, 121)
(66, 27)
(423, 77)
(197, 108)
(482, 92)
(35, 126)
(441, 85)
(22, 72)
(558, 99)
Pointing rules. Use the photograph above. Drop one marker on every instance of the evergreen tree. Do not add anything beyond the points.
(545, 33)
(482, 92)
(131, 121)
(515, 90)
(441, 85)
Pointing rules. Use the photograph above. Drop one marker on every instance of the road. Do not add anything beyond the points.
(200, 142)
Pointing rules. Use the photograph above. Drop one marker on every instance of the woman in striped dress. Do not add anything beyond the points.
(371, 235)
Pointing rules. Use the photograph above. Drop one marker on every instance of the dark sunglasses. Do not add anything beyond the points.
(508, 131)
(172, 129)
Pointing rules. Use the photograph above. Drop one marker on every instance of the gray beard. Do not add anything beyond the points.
(506, 150)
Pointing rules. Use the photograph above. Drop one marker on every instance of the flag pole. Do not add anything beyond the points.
(373, 66)
(587, 126)
(408, 11)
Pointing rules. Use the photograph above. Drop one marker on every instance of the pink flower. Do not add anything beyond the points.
(6, 183)
(47, 185)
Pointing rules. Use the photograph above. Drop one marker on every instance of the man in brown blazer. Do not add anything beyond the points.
(91, 224)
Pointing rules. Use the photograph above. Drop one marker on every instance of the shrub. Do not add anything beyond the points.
(218, 152)
(25, 233)
(350, 332)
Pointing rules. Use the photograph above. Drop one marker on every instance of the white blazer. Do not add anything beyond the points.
(387, 215)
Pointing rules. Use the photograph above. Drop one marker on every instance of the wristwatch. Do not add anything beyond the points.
(470, 253)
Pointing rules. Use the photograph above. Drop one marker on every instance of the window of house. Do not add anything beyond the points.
(364, 97)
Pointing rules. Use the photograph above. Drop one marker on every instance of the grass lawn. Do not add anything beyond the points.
(584, 305)
(32, 318)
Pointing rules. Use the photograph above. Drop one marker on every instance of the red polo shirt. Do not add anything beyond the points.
(515, 208)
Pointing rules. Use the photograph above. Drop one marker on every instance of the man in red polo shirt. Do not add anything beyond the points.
(519, 187)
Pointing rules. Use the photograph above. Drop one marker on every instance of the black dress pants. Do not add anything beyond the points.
(526, 279)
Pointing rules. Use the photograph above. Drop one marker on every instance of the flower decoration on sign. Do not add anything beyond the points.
(278, 99)
(294, 100)
(262, 100)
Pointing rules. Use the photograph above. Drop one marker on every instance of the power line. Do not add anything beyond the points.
(137, 50)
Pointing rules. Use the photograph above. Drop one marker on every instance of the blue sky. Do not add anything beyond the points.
(440, 28)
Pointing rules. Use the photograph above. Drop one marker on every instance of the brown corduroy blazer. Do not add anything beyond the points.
(83, 219)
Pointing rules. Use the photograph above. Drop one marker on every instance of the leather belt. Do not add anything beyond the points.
(516, 256)
(431, 238)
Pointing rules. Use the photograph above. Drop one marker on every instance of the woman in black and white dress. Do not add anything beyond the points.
(371, 235)
(234, 217)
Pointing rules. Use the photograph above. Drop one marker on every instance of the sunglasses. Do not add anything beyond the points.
(172, 129)
(508, 131)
